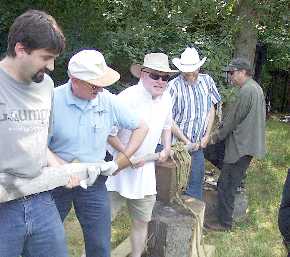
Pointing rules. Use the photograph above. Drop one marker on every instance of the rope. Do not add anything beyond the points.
(182, 160)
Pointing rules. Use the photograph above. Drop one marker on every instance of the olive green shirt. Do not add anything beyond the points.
(243, 127)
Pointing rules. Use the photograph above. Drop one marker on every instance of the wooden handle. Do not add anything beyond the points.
(12, 187)
(147, 158)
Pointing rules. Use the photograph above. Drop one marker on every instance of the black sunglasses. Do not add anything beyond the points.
(157, 76)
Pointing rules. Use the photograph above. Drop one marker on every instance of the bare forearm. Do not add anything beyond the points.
(116, 143)
(210, 118)
(166, 139)
(176, 131)
(53, 159)
(136, 139)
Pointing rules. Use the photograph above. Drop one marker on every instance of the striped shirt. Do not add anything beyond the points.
(191, 104)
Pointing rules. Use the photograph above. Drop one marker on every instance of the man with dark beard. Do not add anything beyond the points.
(30, 226)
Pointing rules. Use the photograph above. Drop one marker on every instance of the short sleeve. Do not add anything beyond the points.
(124, 116)
(215, 96)
(168, 121)
(173, 94)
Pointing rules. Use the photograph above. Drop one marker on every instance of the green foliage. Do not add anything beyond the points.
(124, 30)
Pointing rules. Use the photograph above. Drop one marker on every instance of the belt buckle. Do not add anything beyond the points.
(27, 197)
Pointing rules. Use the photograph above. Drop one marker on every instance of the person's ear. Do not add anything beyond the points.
(243, 72)
(142, 74)
(20, 50)
(74, 82)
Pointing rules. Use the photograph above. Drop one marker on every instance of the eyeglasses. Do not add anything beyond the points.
(91, 86)
(157, 76)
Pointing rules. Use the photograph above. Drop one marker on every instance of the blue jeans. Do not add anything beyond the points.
(31, 227)
(92, 208)
(195, 183)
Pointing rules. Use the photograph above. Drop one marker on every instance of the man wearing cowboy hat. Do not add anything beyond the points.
(84, 113)
(137, 185)
(243, 130)
(194, 96)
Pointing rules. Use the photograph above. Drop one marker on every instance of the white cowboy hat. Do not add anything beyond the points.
(153, 61)
(189, 60)
(90, 66)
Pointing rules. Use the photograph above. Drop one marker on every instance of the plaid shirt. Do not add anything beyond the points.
(191, 104)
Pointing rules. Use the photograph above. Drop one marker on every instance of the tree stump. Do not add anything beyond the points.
(166, 181)
(175, 232)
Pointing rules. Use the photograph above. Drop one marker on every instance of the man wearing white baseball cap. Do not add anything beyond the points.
(194, 96)
(84, 113)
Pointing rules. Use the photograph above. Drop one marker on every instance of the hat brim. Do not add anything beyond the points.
(229, 68)
(187, 67)
(109, 77)
(135, 69)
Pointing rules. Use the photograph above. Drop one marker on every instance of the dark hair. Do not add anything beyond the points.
(35, 30)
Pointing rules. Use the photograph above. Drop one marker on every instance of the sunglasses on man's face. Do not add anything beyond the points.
(155, 76)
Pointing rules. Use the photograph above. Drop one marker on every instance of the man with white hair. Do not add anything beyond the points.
(137, 185)
(194, 96)
(84, 113)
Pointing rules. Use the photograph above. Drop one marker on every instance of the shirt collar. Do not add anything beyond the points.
(186, 83)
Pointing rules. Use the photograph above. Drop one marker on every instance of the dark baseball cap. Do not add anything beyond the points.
(238, 64)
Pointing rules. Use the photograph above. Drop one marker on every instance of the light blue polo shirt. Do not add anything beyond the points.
(81, 127)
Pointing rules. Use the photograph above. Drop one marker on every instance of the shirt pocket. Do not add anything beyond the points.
(97, 119)
(99, 129)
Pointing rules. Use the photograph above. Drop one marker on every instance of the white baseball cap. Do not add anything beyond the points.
(90, 66)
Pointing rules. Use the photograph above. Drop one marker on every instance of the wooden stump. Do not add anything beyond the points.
(172, 232)
(165, 181)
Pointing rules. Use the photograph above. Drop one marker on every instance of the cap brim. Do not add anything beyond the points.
(135, 69)
(187, 68)
(228, 68)
(109, 77)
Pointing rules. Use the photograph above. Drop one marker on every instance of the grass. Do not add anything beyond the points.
(120, 231)
(257, 235)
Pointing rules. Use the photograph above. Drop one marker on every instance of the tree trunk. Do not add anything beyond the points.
(246, 37)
